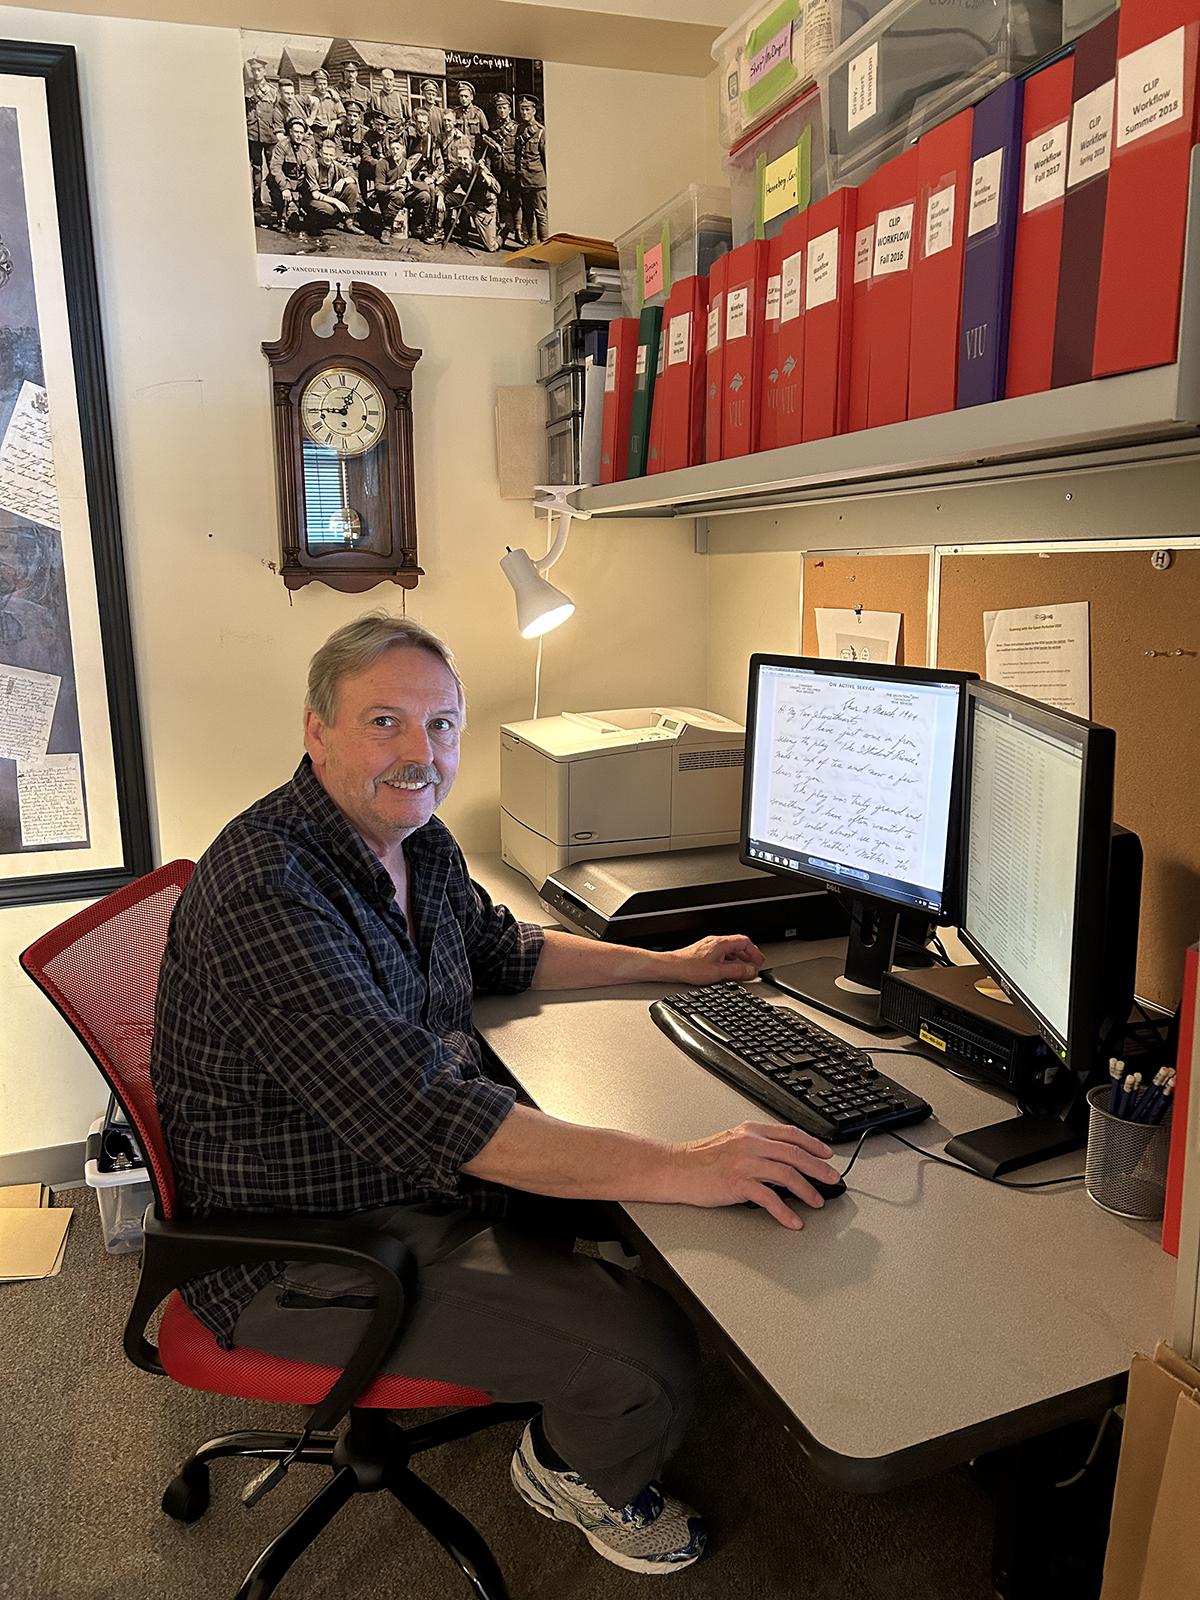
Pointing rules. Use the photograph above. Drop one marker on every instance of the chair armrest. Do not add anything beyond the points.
(176, 1252)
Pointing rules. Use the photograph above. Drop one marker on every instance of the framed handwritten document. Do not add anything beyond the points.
(73, 810)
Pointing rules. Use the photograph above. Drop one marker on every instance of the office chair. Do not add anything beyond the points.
(100, 969)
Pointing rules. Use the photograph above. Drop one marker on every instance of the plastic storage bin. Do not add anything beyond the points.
(122, 1192)
(778, 170)
(679, 240)
(770, 52)
(1080, 15)
(917, 63)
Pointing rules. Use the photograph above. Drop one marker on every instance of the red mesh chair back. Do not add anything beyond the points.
(100, 968)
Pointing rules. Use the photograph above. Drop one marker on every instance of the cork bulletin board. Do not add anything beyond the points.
(883, 582)
(1153, 702)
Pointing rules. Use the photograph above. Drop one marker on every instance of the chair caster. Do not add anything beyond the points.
(185, 1498)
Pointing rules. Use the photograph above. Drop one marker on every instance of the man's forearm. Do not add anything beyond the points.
(569, 961)
(532, 1151)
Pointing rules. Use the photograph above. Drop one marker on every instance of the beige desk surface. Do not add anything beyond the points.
(921, 1318)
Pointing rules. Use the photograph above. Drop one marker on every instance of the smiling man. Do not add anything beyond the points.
(313, 1054)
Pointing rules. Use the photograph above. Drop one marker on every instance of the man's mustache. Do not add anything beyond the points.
(413, 773)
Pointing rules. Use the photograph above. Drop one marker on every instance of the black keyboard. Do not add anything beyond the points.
(795, 1069)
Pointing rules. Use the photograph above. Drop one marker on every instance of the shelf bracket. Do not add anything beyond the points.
(700, 540)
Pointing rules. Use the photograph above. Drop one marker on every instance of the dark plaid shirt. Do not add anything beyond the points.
(308, 1055)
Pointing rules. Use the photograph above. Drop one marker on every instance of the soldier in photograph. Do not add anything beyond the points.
(331, 197)
(391, 189)
(425, 171)
(289, 102)
(354, 92)
(323, 107)
(431, 99)
(289, 159)
(351, 138)
(391, 101)
(503, 144)
(376, 147)
(531, 171)
(471, 120)
(264, 122)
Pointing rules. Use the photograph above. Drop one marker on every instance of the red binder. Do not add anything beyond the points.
(789, 338)
(1045, 149)
(618, 399)
(714, 347)
(1179, 1112)
(741, 368)
(682, 380)
(828, 291)
(1154, 124)
(943, 196)
(860, 307)
(1095, 56)
(768, 413)
(890, 289)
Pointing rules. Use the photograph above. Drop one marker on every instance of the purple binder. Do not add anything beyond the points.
(991, 232)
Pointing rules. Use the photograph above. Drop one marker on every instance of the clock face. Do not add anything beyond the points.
(343, 410)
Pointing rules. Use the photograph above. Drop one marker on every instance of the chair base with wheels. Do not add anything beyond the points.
(100, 969)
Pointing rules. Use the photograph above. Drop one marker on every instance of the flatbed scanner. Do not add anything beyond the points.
(668, 899)
(585, 785)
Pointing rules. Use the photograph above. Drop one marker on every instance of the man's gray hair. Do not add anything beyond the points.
(359, 645)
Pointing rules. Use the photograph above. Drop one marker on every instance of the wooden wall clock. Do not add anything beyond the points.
(344, 444)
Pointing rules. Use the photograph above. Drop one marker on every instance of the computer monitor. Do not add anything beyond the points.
(1050, 895)
(853, 776)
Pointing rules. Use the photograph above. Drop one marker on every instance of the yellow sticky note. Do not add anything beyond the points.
(779, 185)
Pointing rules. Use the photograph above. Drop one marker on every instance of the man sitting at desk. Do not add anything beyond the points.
(313, 1054)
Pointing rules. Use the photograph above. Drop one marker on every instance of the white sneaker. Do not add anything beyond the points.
(655, 1533)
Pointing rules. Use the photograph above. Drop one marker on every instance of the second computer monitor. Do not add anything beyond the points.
(853, 777)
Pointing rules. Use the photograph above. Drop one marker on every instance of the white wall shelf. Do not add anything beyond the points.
(1136, 417)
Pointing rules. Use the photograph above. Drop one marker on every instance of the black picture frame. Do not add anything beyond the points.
(55, 64)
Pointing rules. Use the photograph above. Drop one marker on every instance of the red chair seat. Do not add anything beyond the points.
(193, 1357)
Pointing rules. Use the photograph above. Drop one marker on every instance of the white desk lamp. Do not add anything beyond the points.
(540, 606)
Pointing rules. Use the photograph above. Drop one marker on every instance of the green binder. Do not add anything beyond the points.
(649, 328)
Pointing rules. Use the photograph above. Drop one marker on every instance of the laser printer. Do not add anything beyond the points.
(584, 785)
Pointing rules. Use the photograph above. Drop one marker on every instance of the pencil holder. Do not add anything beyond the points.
(1126, 1167)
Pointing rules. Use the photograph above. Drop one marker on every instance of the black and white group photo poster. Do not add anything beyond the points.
(415, 169)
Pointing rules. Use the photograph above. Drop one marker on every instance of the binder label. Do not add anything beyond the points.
(862, 98)
(610, 370)
(662, 359)
(792, 279)
(737, 313)
(939, 221)
(893, 240)
(1150, 88)
(679, 338)
(822, 286)
(772, 302)
(779, 185)
(1091, 134)
(1045, 168)
(640, 369)
(864, 248)
(714, 325)
(652, 272)
(986, 176)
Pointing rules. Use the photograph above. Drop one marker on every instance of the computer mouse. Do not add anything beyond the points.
(827, 1191)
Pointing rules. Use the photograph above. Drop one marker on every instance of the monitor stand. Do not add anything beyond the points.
(849, 989)
(1018, 1142)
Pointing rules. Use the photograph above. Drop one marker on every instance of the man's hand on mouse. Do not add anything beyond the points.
(738, 1164)
(718, 958)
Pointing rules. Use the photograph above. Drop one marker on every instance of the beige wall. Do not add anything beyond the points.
(221, 648)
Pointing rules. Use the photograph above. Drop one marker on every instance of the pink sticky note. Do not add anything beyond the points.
(652, 272)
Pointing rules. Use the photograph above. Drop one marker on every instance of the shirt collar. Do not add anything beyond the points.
(428, 848)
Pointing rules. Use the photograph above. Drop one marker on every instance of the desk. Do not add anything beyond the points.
(918, 1321)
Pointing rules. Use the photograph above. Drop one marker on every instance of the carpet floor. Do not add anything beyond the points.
(88, 1442)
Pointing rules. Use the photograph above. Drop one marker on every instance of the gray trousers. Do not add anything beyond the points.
(510, 1308)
